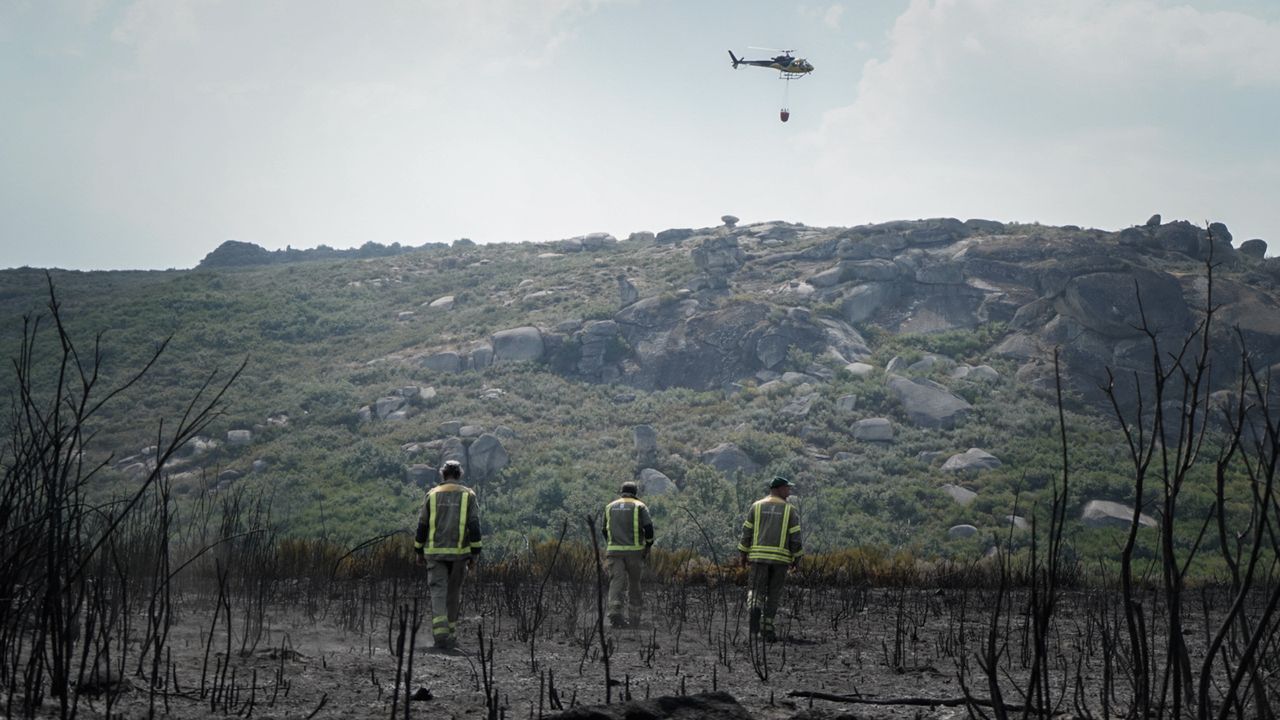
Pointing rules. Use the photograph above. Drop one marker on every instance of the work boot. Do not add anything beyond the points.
(753, 625)
(769, 635)
(446, 642)
(616, 621)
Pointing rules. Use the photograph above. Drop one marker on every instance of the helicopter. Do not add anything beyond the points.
(789, 68)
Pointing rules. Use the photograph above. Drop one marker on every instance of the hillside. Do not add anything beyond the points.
(866, 362)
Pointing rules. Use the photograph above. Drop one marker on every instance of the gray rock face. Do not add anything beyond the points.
(364, 414)
(238, 438)
(453, 448)
(718, 256)
(846, 403)
(1019, 346)
(1017, 522)
(627, 292)
(481, 356)
(1255, 248)
(598, 241)
(673, 236)
(594, 340)
(643, 236)
(1106, 303)
(771, 349)
(873, 430)
(653, 482)
(940, 274)
(961, 496)
(384, 406)
(791, 377)
(522, 344)
(865, 271)
(971, 461)
(961, 531)
(983, 374)
(844, 343)
(441, 304)
(729, 221)
(799, 406)
(929, 362)
(486, 457)
(646, 442)
(1105, 513)
(927, 403)
(827, 278)
(260, 466)
(859, 369)
(420, 474)
(470, 431)
(730, 460)
(443, 362)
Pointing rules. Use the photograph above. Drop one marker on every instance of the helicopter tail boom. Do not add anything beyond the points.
(734, 59)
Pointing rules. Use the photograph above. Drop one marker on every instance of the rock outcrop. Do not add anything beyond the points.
(486, 456)
(971, 461)
(1106, 513)
(730, 460)
(927, 403)
(522, 344)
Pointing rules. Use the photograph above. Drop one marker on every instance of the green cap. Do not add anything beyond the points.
(779, 481)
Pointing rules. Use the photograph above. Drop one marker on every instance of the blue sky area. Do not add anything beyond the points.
(143, 134)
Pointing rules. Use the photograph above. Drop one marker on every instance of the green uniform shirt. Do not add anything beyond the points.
(449, 523)
(771, 532)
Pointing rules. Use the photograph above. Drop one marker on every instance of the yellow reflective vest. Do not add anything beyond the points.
(449, 523)
(771, 532)
(627, 527)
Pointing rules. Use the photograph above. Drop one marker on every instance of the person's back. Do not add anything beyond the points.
(628, 534)
(448, 541)
(770, 545)
(443, 522)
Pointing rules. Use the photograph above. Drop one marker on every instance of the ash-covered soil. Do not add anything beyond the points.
(336, 657)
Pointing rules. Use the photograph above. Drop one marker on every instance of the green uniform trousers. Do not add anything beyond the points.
(444, 579)
(625, 599)
(765, 582)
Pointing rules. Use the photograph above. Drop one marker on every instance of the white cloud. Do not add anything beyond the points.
(1089, 107)
(829, 15)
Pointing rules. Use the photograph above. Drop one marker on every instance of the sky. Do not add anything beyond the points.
(141, 134)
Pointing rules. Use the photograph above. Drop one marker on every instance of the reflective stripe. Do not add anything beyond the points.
(417, 545)
(637, 543)
(449, 551)
(439, 620)
(782, 531)
(462, 521)
(776, 552)
(431, 523)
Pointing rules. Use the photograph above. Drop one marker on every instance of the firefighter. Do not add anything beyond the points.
(628, 531)
(448, 543)
(770, 545)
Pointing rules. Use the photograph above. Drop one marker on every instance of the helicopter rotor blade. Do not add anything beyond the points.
(754, 47)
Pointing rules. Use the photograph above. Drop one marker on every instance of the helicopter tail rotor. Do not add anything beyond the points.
(734, 59)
